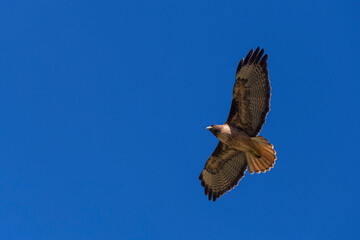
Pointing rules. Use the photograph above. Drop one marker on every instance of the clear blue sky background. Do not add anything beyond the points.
(104, 108)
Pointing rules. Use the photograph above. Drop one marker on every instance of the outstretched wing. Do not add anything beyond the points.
(223, 171)
(251, 94)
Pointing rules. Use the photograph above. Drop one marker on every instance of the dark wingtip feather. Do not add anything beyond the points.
(263, 60)
(215, 197)
(210, 194)
(241, 63)
(248, 56)
(253, 57)
(259, 56)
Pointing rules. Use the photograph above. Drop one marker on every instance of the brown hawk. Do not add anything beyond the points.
(239, 147)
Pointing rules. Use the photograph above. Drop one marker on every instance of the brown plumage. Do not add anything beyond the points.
(239, 147)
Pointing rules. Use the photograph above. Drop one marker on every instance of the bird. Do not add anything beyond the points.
(240, 148)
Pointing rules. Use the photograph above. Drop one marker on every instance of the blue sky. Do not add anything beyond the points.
(104, 108)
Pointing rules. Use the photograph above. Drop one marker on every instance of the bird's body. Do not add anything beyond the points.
(239, 145)
(235, 138)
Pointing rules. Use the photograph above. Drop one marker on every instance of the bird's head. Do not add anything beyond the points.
(214, 129)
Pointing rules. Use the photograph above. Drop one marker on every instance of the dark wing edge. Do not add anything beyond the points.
(222, 171)
(240, 114)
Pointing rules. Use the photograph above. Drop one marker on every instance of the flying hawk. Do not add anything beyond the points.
(239, 147)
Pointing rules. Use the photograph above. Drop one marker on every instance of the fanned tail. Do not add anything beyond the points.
(267, 159)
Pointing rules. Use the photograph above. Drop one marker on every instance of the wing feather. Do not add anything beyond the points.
(251, 94)
(223, 171)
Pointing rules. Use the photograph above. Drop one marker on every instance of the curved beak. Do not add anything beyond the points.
(209, 127)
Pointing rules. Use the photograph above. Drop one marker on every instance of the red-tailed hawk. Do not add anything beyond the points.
(239, 147)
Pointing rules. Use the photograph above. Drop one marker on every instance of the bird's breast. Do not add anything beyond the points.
(236, 140)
